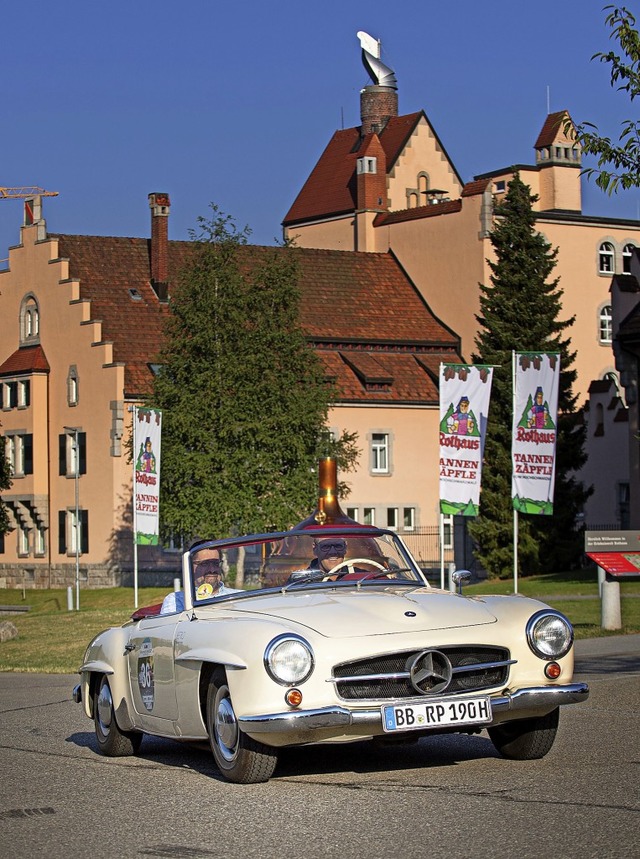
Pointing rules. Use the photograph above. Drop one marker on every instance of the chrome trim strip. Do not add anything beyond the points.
(543, 698)
(481, 666)
(404, 675)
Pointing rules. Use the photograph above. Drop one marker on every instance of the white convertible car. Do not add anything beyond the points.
(341, 639)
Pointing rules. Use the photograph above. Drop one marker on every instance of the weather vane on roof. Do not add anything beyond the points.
(380, 74)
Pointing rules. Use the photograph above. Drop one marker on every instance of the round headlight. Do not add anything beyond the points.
(288, 660)
(550, 635)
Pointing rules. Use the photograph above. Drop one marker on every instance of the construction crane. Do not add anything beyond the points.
(32, 202)
(23, 193)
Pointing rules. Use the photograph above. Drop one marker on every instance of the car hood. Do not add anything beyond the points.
(368, 611)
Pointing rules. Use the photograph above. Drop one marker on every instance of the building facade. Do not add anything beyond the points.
(81, 321)
(389, 186)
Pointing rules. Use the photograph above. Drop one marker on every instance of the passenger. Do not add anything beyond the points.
(328, 553)
(208, 581)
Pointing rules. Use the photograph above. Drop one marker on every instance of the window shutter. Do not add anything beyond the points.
(62, 532)
(62, 454)
(84, 531)
(27, 441)
(82, 452)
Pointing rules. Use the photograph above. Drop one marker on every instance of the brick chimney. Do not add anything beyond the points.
(379, 100)
(377, 105)
(160, 205)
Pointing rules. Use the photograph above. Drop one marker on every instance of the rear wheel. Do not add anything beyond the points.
(526, 739)
(111, 740)
(237, 756)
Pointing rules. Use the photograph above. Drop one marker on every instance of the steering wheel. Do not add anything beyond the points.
(350, 564)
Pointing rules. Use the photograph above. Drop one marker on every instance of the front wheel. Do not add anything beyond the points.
(111, 740)
(239, 758)
(526, 739)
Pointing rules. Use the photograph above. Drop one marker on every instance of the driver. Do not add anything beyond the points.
(328, 553)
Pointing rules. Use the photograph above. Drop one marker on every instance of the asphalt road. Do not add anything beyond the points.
(443, 797)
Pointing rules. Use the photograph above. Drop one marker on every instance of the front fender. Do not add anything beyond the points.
(107, 655)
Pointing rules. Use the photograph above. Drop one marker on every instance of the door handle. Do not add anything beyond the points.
(129, 647)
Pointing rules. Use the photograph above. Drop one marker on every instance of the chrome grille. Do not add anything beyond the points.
(474, 668)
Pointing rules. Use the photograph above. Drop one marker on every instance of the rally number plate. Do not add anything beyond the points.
(436, 714)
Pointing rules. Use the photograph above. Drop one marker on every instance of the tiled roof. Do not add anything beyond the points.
(331, 187)
(553, 124)
(479, 186)
(625, 283)
(27, 359)
(600, 386)
(362, 304)
(446, 207)
(108, 268)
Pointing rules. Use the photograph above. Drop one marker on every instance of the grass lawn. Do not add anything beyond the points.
(52, 639)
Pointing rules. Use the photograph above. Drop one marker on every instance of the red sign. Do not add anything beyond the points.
(617, 563)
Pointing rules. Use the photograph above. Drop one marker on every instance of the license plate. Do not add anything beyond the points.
(435, 714)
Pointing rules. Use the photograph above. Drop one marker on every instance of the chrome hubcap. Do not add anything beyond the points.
(226, 726)
(105, 708)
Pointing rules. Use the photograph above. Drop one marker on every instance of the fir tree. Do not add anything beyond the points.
(243, 394)
(521, 311)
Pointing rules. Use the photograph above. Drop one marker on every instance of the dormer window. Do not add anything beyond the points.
(29, 321)
(367, 165)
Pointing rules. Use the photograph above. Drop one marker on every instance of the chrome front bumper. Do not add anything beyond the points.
(521, 704)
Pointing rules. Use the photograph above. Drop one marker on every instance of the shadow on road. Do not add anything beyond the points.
(365, 757)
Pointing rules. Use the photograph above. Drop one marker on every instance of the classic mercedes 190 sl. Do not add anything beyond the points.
(341, 638)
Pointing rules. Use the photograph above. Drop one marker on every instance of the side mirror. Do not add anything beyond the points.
(461, 577)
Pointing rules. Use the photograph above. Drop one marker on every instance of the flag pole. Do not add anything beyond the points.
(515, 512)
(135, 516)
(442, 550)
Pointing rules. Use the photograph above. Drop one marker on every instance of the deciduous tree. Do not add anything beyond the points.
(243, 394)
(618, 162)
(5, 483)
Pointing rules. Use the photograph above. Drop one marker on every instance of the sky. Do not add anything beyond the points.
(232, 103)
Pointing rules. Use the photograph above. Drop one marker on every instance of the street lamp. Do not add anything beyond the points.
(76, 469)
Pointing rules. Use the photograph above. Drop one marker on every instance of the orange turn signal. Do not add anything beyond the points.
(293, 697)
(552, 670)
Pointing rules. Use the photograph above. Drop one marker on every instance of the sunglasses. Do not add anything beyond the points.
(332, 549)
(207, 568)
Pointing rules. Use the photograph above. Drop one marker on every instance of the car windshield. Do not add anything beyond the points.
(297, 560)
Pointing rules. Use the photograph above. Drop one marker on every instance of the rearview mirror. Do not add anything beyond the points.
(460, 577)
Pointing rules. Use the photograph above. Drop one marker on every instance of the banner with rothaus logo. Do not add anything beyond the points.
(147, 430)
(535, 418)
(465, 391)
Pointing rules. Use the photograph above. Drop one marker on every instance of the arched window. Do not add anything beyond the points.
(29, 320)
(605, 326)
(423, 187)
(627, 253)
(72, 386)
(606, 258)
